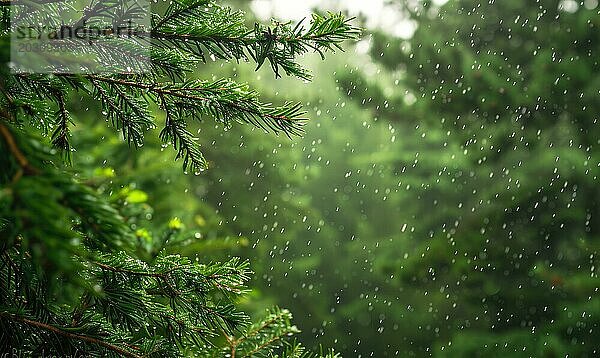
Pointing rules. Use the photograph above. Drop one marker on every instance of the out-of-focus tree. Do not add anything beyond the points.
(500, 254)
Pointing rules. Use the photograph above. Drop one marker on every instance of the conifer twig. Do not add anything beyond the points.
(59, 331)
(133, 272)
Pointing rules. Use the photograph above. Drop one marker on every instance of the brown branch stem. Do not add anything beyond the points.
(15, 151)
(56, 330)
(176, 92)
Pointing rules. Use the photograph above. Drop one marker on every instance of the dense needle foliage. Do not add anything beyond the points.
(75, 276)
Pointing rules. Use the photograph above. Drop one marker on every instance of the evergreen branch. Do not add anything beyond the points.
(9, 97)
(56, 330)
(138, 273)
(109, 9)
(125, 113)
(84, 304)
(60, 136)
(280, 44)
(182, 323)
(173, 64)
(178, 9)
(266, 323)
(74, 239)
(227, 99)
(192, 29)
(230, 281)
(265, 344)
(268, 333)
(183, 141)
(16, 152)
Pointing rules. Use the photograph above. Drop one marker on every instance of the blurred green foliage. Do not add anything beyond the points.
(443, 202)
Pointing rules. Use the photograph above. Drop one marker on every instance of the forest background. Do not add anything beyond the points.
(442, 201)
